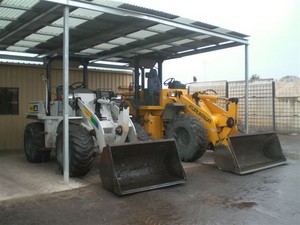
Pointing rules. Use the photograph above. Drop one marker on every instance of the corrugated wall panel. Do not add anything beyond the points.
(29, 83)
(32, 87)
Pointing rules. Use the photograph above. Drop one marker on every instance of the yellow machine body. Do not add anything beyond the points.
(213, 116)
(232, 152)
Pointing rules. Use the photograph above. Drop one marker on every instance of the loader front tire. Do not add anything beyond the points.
(81, 154)
(34, 143)
(141, 133)
(190, 135)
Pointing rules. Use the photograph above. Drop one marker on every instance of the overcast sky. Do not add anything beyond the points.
(273, 27)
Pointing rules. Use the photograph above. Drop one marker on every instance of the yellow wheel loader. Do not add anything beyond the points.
(198, 123)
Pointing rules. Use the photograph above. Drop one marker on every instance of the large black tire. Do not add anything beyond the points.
(142, 135)
(34, 143)
(190, 135)
(81, 154)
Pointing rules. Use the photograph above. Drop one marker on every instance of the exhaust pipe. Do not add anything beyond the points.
(135, 167)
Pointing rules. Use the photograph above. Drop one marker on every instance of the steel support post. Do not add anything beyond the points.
(66, 94)
(273, 105)
(246, 91)
(85, 75)
(160, 72)
(49, 84)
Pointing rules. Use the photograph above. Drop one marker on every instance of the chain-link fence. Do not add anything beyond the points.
(273, 105)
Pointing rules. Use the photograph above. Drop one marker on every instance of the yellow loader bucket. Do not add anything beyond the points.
(134, 167)
(249, 153)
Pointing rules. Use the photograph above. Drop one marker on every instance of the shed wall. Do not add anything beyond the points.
(32, 87)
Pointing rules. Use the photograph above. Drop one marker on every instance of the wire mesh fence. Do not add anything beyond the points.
(273, 105)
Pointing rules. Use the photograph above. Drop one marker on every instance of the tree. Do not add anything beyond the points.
(289, 78)
(254, 77)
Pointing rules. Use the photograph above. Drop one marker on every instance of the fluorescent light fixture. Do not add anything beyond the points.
(185, 51)
(21, 61)
(208, 46)
(111, 63)
(106, 68)
(18, 53)
(226, 42)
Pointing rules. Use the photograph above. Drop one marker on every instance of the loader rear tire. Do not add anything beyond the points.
(190, 135)
(34, 143)
(81, 154)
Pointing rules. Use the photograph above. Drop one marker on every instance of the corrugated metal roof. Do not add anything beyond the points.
(50, 30)
(11, 14)
(23, 3)
(4, 23)
(106, 30)
(85, 13)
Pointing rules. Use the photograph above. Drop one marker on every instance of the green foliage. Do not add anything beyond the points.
(254, 77)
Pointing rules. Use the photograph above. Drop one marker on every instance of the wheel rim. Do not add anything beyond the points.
(182, 136)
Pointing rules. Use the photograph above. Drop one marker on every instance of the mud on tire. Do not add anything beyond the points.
(81, 155)
(190, 135)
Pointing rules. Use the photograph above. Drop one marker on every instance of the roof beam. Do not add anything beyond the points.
(204, 50)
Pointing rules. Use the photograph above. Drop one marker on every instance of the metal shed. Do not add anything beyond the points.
(101, 30)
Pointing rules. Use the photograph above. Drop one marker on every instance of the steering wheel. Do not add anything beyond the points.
(210, 90)
(168, 81)
(77, 85)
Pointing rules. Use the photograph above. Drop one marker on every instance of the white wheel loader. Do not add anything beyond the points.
(99, 125)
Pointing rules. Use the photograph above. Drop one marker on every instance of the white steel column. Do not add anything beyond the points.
(246, 90)
(66, 94)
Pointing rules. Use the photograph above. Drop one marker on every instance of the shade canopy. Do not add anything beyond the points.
(102, 30)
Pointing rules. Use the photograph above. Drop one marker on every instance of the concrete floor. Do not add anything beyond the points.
(36, 194)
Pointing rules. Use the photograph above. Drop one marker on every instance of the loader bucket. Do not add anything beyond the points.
(134, 167)
(249, 153)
